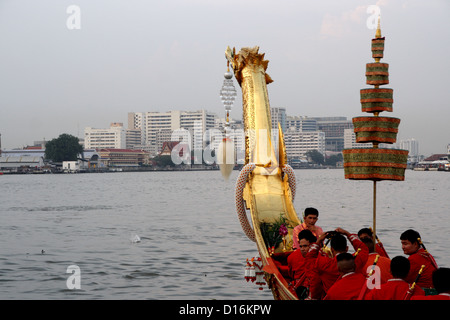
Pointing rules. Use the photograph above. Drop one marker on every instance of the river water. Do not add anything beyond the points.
(191, 243)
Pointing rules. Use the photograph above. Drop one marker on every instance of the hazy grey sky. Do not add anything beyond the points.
(137, 55)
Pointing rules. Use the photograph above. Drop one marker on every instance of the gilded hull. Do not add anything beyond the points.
(266, 198)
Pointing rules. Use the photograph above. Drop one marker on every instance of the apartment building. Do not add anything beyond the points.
(133, 139)
(301, 123)
(412, 145)
(333, 127)
(350, 140)
(298, 143)
(278, 115)
(112, 137)
(159, 127)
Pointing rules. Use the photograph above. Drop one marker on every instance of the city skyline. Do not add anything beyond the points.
(301, 133)
(400, 143)
(147, 56)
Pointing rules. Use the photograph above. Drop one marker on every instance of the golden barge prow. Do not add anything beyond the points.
(266, 184)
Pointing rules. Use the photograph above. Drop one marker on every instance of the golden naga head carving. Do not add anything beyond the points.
(247, 58)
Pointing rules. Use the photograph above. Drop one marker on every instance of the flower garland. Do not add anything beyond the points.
(254, 272)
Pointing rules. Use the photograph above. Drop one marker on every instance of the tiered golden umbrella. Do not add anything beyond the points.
(376, 163)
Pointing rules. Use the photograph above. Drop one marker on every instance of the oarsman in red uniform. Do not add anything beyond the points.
(297, 263)
(379, 248)
(395, 288)
(441, 281)
(383, 266)
(323, 271)
(418, 256)
(296, 260)
(349, 285)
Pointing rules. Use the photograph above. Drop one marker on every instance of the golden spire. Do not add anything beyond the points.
(378, 32)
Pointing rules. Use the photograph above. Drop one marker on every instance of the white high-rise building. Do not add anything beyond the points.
(159, 127)
(412, 145)
(113, 137)
(350, 140)
(278, 115)
(298, 143)
(134, 139)
(136, 121)
(301, 123)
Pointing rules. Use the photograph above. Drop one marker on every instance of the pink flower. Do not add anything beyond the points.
(283, 230)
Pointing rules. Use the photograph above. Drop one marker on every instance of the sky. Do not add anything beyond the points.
(64, 69)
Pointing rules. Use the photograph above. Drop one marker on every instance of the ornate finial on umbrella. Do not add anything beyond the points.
(378, 32)
(225, 152)
(228, 93)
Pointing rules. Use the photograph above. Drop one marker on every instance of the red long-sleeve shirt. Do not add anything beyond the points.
(296, 263)
(393, 289)
(417, 259)
(323, 271)
(346, 288)
(380, 250)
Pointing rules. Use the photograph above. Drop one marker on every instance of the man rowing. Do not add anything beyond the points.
(418, 256)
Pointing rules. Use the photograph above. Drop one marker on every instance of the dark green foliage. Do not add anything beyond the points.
(64, 148)
(334, 159)
(315, 156)
(163, 161)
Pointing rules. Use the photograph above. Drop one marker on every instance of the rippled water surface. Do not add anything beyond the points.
(191, 244)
